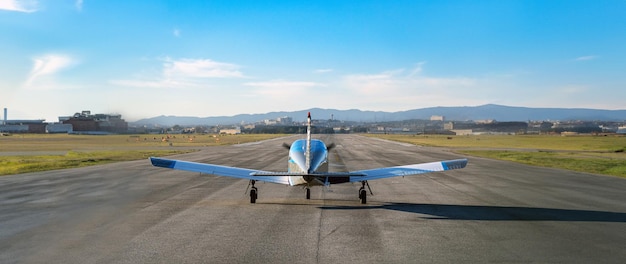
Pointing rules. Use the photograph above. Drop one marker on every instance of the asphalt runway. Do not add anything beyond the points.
(491, 211)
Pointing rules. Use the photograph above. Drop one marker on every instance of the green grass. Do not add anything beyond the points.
(563, 160)
(545, 142)
(35, 152)
(24, 164)
(593, 154)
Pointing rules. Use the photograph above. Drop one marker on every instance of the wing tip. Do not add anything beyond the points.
(164, 163)
(454, 164)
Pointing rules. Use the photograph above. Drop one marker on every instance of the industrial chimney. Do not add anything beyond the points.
(4, 122)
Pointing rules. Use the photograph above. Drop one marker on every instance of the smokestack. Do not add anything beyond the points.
(5, 117)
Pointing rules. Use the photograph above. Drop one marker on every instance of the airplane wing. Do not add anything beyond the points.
(217, 170)
(283, 177)
(406, 170)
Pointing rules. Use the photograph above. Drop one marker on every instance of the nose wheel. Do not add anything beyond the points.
(308, 193)
(363, 192)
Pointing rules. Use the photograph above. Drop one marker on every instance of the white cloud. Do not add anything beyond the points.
(48, 65)
(407, 89)
(282, 84)
(79, 5)
(200, 68)
(372, 84)
(398, 83)
(323, 70)
(183, 73)
(418, 68)
(26, 6)
(586, 58)
(150, 84)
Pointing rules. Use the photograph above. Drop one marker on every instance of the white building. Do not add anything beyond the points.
(437, 118)
(231, 131)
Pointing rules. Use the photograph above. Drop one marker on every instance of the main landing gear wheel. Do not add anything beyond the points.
(254, 192)
(253, 195)
(363, 195)
(308, 194)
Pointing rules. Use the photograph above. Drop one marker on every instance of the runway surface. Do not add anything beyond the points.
(491, 211)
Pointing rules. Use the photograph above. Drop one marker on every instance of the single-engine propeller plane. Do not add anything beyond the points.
(308, 166)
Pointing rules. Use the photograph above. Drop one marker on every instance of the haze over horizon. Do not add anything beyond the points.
(223, 58)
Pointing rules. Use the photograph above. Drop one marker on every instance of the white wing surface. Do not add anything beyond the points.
(217, 170)
(407, 170)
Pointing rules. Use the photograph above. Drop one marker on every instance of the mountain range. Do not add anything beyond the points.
(464, 113)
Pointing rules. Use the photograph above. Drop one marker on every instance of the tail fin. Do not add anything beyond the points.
(308, 144)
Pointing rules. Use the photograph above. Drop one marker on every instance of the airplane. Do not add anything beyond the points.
(308, 166)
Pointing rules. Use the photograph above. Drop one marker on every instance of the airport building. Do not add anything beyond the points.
(79, 122)
(437, 118)
(21, 126)
(231, 131)
(86, 122)
(57, 128)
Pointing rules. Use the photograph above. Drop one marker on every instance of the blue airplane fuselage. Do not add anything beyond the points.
(297, 156)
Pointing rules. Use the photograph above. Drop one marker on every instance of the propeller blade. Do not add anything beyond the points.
(331, 146)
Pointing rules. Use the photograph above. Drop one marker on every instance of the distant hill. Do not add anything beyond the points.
(483, 112)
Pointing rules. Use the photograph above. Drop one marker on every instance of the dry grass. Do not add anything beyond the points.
(538, 142)
(35, 152)
(64, 142)
(593, 154)
(34, 163)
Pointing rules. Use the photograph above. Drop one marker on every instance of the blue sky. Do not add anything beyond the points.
(210, 58)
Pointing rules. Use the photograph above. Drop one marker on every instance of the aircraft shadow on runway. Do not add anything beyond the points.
(493, 213)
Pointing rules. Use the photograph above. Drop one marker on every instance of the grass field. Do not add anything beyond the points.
(35, 152)
(65, 142)
(593, 154)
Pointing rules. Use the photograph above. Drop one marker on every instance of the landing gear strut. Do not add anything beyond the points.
(254, 192)
(363, 192)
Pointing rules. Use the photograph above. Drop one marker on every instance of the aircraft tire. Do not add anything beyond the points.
(308, 194)
(363, 196)
(253, 195)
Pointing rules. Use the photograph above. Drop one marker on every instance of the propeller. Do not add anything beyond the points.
(331, 146)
